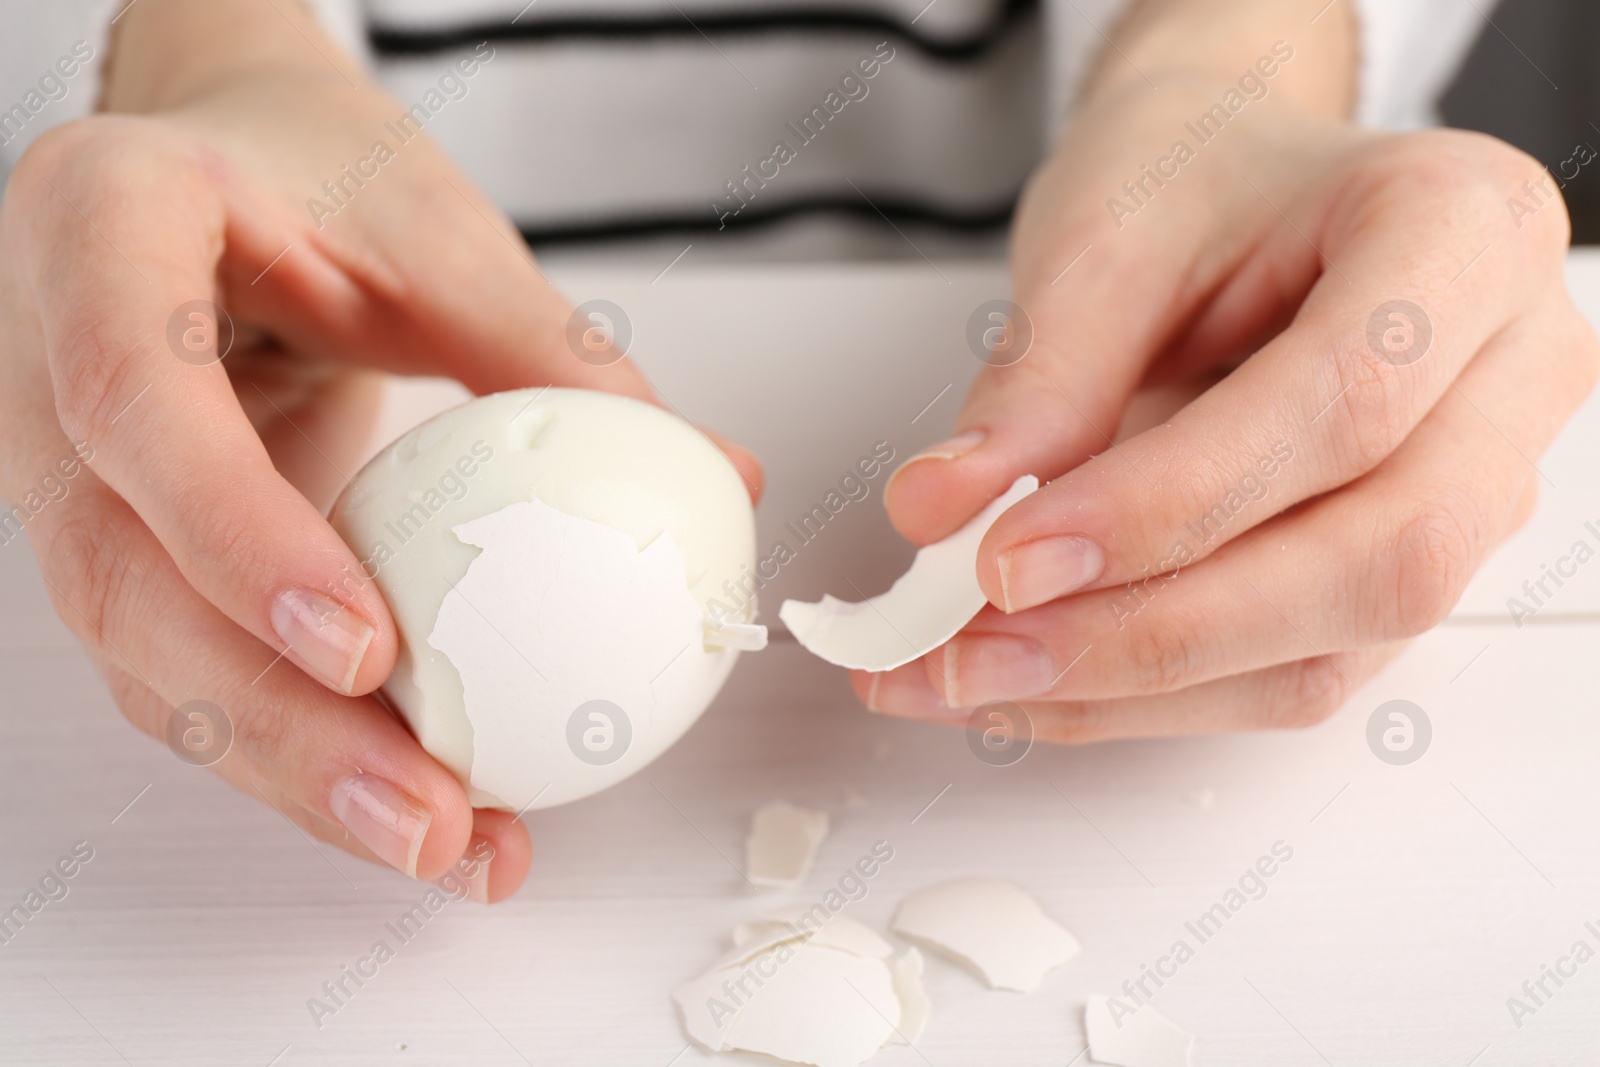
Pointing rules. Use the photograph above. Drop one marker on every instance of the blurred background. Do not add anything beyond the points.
(1532, 79)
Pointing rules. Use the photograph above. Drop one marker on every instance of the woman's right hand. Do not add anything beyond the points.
(174, 501)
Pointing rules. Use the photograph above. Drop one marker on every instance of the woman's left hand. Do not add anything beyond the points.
(1409, 349)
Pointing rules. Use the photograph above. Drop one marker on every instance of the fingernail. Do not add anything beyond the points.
(326, 637)
(734, 448)
(1038, 572)
(382, 817)
(982, 667)
(906, 693)
(954, 448)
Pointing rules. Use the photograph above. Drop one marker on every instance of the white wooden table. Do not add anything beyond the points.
(1419, 898)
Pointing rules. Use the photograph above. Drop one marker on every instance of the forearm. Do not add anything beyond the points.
(165, 52)
(1221, 40)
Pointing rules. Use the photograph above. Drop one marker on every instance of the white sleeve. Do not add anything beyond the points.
(44, 41)
(1410, 49)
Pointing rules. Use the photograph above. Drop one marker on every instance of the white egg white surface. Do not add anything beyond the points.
(593, 458)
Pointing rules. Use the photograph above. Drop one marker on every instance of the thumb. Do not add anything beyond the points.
(461, 297)
(1061, 361)
(458, 295)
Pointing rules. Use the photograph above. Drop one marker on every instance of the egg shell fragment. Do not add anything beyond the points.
(990, 924)
(1129, 1036)
(926, 606)
(782, 844)
(826, 995)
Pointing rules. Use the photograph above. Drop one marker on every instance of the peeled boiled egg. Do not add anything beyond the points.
(558, 564)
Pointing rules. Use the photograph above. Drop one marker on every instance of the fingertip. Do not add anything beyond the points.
(750, 471)
(511, 855)
(744, 461)
(905, 692)
(447, 840)
(864, 684)
(930, 495)
(1037, 551)
(357, 589)
(932, 692)
(993, 566)
(348, 647)
(941, 488)
(377, 662)
(911, 498)
(437, 791)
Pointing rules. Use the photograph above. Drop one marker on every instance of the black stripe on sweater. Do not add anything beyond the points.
(885, 209)
(393, 40)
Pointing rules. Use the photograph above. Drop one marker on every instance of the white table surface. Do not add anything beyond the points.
(1418, 900)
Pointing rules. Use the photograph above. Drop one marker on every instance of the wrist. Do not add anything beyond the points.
(1314, 65)
(165, 53)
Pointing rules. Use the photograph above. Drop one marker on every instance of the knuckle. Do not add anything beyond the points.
(89, 570)
(1163, 655)
(262, 728)
(1447, 161)
(146, 711)
(101, 593)
(1427, 166)
(112, 151)
(122, 171)
(93, 379)
(1503, 174)
(1587, 363)
(1370, 419)
(1477, 179)
(1071, 722)
(219, 528)
(1527, 502)
(1432, 553)
(91, 153)
(49, 155)
(1316, 689)
(1584, 359)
